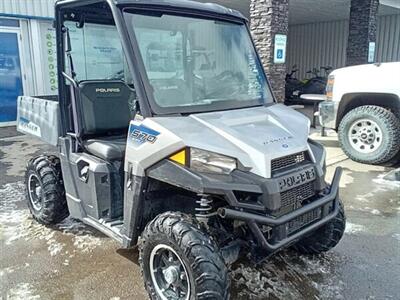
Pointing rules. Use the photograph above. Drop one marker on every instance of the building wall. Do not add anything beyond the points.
(33, 8)
(324, 44)
(388, 39)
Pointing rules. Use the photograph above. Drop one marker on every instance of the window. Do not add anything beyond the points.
(196, 64)
(97, 53)
(162, 52)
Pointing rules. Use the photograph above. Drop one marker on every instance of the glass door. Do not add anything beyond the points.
(11, 85)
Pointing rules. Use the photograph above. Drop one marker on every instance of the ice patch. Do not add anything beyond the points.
(387, 184)
(23, 291)
(354, 228)
(380, 185)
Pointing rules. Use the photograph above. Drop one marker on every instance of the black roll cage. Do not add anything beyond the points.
(130, 47)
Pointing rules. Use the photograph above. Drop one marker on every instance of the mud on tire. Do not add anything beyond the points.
(205, 268)
(389, 125)
(45, 190)
(324, 238)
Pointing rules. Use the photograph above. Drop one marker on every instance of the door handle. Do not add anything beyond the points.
(129, 179)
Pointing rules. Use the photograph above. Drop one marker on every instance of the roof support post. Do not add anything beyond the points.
(362, 32)
(268, 19)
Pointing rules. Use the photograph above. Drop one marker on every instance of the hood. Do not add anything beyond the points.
(369, 70)
(371, 78)
(253, 136)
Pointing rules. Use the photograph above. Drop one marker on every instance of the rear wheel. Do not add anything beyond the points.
(324, 238)
(370, 134)
(45, 190)
(180, 261)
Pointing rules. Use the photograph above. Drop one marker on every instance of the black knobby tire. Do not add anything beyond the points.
(390, 126)
(325, 238)
(51, 205)
(207, 272)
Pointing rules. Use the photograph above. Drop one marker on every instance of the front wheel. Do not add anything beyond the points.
(180, 261)
(370, 134)
(324, 238)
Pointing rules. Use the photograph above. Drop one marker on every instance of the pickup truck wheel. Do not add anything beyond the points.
(370, 134)
(45, 190)
(324, 238)
(179, 261)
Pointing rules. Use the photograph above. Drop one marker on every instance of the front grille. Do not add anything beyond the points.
(287, 161)
(303, 220)
(297, 194)
(293, 199)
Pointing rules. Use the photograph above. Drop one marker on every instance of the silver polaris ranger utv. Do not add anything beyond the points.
(169, 138)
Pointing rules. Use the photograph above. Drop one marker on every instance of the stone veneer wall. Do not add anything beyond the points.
(362, 30)
(270, 17)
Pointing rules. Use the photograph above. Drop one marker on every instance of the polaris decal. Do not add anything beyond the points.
(29, 127)
(140, 134)
(108, 90)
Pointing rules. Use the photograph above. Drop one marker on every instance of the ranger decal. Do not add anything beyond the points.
(29, 127)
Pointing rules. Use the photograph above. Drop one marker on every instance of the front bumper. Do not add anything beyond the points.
(328, 206)
(328, 113)
(263, 199)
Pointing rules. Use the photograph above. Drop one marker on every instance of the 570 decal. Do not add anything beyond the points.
(140, 134)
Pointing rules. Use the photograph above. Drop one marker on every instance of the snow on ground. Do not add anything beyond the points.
(396, 236)
(289, 276)
(354, 228)
(386, 184)
(17, 224)
(370, 201)
(23, 291)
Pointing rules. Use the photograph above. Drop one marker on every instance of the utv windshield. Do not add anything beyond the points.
(195, 65)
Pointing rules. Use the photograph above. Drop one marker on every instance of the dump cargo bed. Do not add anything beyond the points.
(39, 117)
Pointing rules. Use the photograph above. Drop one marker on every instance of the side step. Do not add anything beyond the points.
(109, 228)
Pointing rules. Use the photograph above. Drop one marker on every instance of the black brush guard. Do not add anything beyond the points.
(254, 220)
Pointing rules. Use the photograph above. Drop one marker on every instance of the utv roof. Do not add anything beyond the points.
(181, 5)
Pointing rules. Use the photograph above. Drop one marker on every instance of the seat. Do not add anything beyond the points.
(109, 149)
(106, 107)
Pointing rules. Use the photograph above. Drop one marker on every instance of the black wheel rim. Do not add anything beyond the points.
(35, 192)
(168, 273)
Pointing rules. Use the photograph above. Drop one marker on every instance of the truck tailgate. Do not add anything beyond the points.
(40, 118)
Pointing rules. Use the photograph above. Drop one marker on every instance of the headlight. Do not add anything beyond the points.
(210, 162)
(205, 161)
(329, 87)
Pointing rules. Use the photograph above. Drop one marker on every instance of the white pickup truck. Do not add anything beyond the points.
(363, 106)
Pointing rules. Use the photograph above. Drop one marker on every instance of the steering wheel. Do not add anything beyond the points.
(225, 85)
